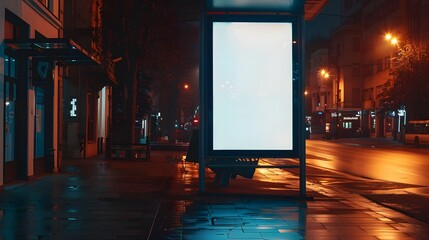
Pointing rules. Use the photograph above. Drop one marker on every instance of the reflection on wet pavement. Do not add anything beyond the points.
(235, 219)
(159, 199)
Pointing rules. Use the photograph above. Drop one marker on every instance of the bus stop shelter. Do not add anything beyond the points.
(252, 83)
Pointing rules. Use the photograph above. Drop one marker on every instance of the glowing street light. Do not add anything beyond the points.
(324, 73)
(186, 86)
(390, 38)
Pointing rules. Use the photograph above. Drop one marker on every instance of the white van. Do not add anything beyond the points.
(417, 132)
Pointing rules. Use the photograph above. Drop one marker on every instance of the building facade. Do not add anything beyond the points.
(38, 62)
(87, 88)
(29, 82)
(361, 62)
(379, 18)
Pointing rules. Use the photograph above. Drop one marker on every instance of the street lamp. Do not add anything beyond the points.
(392, 39)
(188, 88)
(325, 74)
(405, 50)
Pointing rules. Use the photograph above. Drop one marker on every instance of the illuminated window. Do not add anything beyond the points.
(347, 125)
(9, 135)
(39, 128)
(10, 66)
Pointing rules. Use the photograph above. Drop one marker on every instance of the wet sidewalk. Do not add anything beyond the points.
(159, 199)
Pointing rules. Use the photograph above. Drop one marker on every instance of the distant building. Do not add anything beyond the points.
(345, 59)
(360, 62)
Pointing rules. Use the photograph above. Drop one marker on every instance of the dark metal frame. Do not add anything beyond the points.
(205, 133)
(61, 49)
(209, 87)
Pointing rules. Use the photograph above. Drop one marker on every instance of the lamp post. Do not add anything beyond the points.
(326, 75)
(393, 40)
(398, 126)
(337, 81)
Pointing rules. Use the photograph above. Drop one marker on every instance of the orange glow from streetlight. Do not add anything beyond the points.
(392, 39)
(186, 86)
(324, 73)
(388, 36)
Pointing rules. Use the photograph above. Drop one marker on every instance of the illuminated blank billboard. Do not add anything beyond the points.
(252, 86)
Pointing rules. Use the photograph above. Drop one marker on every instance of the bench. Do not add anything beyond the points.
(226, 169)
(133, 151)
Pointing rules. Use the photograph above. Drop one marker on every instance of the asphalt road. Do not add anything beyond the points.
(375, 159)
(382, 170)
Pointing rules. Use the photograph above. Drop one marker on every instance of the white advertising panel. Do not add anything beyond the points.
(252, 86)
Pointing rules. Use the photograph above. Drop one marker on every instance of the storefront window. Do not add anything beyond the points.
(6, 65)
(10, 101)
(10, 121)
(10, 67)
(347, 125)
(39, 128)
(373, 121)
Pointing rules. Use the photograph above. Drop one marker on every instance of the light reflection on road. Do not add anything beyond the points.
(404, 165)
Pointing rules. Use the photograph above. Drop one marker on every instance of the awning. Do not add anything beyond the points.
(62, 50)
